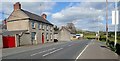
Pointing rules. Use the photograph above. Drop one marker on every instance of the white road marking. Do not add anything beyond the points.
(82, 51)
(70, 45)
(52, 52)
(92, 40)
(42, 52)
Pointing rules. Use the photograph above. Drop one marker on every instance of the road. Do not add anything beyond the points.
(67, 50)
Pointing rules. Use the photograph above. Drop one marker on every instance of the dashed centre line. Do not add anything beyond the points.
(70, 45)
(42, 52)
(52, 52)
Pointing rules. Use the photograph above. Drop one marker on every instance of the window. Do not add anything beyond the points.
(51, 36)
(42, 26)
(47, 37)
(51, 28)
(33, 24)
(33, 34)
(39, 27)
(47, 27)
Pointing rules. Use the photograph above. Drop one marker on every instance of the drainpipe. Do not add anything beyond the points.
(19, 37)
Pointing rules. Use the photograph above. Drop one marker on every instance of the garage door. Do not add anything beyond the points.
(8, 41)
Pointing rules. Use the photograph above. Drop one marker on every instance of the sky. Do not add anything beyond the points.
(84, 15)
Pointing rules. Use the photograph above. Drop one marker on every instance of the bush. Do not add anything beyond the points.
(102, 38)
(118, 49)
(111, 43)
(90, 38)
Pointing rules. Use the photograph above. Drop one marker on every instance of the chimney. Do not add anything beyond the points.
(44, 16)
(17, 6)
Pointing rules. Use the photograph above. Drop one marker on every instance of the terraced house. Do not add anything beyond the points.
(29, 28)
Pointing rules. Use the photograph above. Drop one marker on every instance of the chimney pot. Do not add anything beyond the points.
(17, 6)
(44, 16)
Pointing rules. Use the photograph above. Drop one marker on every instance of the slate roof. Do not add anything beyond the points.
(35, 17)
(28, 15)
(64, 27)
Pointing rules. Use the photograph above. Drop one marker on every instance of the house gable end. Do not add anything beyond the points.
(15, 15)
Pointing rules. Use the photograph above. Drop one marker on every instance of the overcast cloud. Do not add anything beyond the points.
(85, 15)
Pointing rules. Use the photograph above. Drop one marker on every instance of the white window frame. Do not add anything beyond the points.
(39, 26)
(51, 36)
(47, 36)
(51, 28)
(47, 27)
(33, 25)
(33, 35)
(42, 26)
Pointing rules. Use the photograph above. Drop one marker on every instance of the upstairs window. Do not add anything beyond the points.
(47, 36)
(42, 26)
(51, 28)
(39, 26)
(51, 36)
(33, 25)
(47, 27)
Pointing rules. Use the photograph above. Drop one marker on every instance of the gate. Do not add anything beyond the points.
(8, 41)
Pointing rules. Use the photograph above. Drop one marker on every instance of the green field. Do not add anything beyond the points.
(89, 36)
(92, 35)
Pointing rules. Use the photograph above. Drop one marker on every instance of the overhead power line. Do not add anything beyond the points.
(3, 13)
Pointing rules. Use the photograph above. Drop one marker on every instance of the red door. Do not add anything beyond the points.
(42, 39)
(8, 41)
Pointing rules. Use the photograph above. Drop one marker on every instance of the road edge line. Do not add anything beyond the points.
(83, 51)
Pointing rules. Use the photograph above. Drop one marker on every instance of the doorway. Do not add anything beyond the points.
(42, 38)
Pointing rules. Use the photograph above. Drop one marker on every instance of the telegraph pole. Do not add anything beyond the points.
(98, 35)
(106, 21)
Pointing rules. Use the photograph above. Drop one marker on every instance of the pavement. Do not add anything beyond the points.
(73, 50)
(98, 50)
